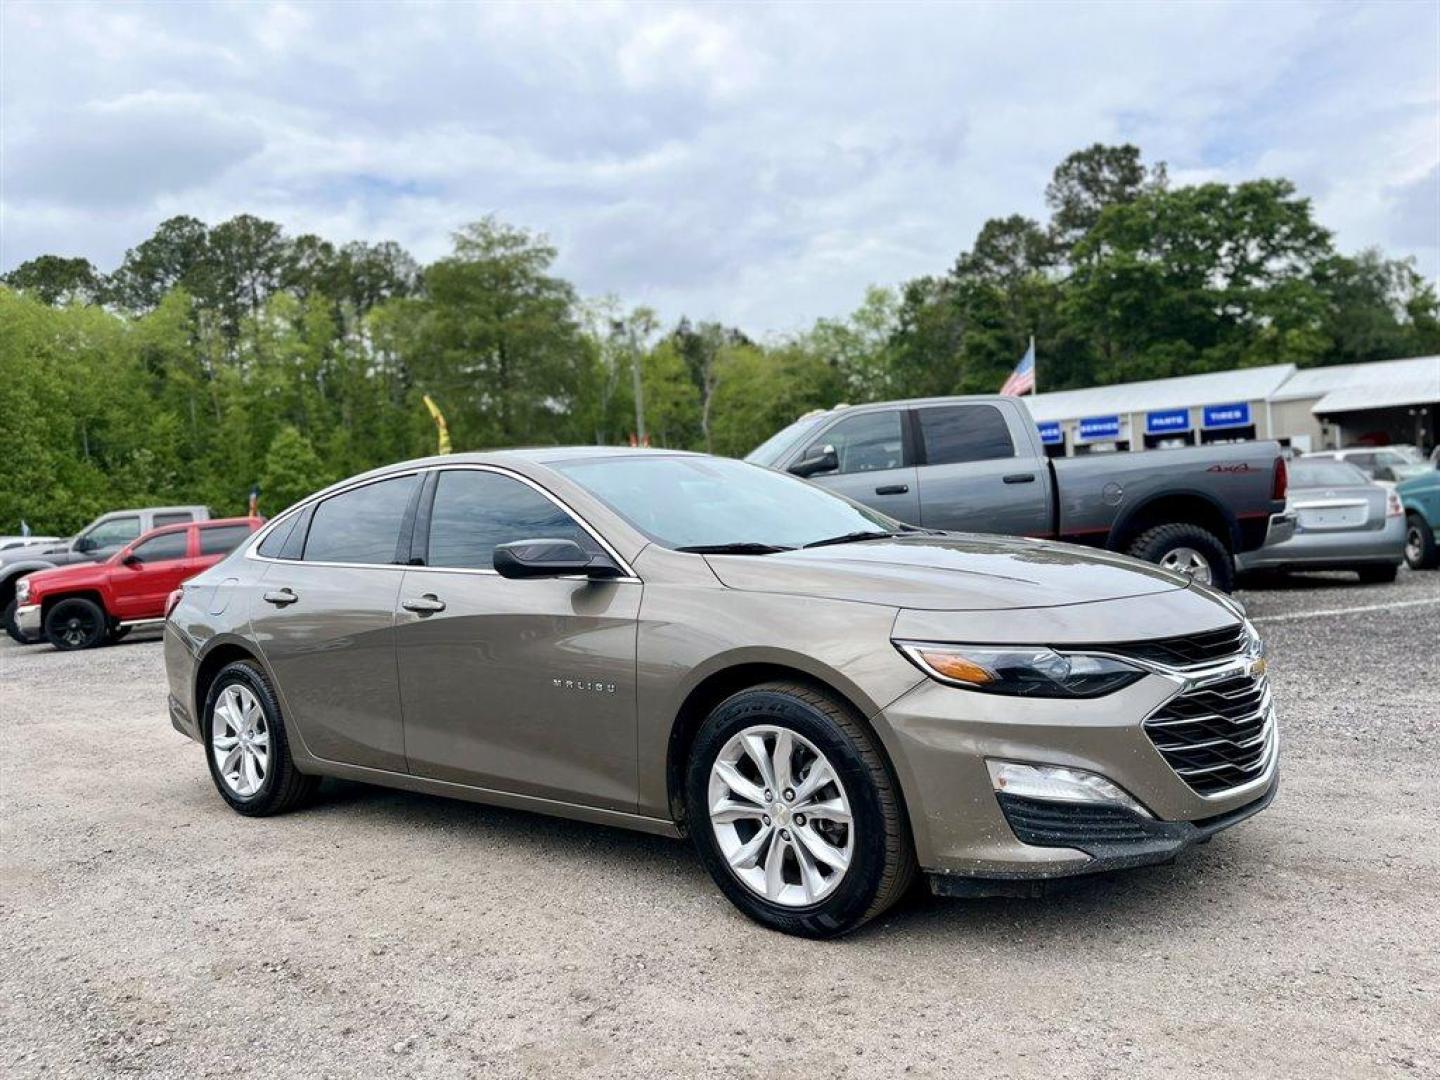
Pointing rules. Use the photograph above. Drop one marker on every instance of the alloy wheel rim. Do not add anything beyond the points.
(1413, 546)
(77, 629)
(240, 740)
(780, 816)
(1188, 561)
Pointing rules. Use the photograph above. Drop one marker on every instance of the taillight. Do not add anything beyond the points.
(1393, 505)
(171, 601)
(1281, 483)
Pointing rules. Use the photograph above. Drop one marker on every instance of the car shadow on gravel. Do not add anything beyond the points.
(584, 851)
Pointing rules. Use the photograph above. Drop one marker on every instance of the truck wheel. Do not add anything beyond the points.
(76, 623)
(13, 628)
(1421, 551)
(1189, 549)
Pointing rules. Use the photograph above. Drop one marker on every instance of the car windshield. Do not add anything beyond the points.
(705, 502)
(1319, 473)
(768, 451)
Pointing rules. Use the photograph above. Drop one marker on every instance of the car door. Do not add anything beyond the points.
(519, 686)
(142, 578)
(324, 621)
(874, 466)
(970, 477)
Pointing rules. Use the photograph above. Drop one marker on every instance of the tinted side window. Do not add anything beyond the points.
(172, 519)
(222, 539)
(474, 511)
(958, 433)
(360, 526)
(160, 548)
(274, 542)
(113, 534)
(866, 442)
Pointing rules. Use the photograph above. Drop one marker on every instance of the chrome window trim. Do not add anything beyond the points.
(252, 552)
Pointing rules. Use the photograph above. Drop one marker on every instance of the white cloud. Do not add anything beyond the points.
(755, 164)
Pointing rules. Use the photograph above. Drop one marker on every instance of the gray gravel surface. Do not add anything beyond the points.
(145, 930)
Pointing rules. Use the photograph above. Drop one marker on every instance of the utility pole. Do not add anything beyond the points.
(639, 391)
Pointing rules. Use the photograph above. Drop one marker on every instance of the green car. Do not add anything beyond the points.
(1420, 495)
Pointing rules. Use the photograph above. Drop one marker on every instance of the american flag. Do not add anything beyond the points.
(1022, 379)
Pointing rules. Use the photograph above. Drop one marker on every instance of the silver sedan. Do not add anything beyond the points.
(1344, 521)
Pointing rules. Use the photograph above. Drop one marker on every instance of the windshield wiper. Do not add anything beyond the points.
(745, 547)
(851, 538)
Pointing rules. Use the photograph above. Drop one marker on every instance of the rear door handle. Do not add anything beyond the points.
(281, 597)
(1020, 478)
(892, 489)
(423, 605)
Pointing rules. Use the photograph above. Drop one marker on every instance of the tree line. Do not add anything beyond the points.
(216, 358)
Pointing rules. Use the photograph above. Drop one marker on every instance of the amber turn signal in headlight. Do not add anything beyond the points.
(1020, 670)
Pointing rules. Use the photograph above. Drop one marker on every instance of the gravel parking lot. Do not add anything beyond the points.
(147, 930)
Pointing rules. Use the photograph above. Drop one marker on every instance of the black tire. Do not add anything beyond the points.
(13, 628)
(882, 866)
(75, 623)
(1421, 551)
(1377, 575)
(1153, 545)
(284, 787)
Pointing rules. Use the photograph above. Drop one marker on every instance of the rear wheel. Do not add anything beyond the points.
(75, 623)
(1190, 550)
(1377, 575)
(1421, 551)
(246, 745)
(795, 813)
(13, 628)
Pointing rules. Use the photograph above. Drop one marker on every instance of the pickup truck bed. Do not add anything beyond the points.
(976, 464)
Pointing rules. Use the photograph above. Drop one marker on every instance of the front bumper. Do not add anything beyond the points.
(28, 619)
(1331, 548)
(966, 836)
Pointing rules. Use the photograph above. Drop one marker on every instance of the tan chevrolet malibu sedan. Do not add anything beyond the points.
(826, 701)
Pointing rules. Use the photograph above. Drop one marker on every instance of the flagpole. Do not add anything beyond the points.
(1034, 369)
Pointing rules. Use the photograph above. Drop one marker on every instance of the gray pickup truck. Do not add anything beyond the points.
(976, 464)
(99, 540)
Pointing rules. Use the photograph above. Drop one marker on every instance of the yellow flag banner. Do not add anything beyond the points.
(439, 418)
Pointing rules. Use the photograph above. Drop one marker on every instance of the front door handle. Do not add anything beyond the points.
(424, 605)
(892, 489)
(1020, 478)
(281, 597)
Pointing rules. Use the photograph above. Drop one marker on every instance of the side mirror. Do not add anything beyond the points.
(85, 543)
(132, 560)
(822, 460)
(551, 558)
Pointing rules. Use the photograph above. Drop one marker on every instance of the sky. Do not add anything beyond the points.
(755, 164)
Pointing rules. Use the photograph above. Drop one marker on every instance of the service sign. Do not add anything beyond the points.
(1050, 434)
(1100, 427)
(1236, 415)
(1164, 421)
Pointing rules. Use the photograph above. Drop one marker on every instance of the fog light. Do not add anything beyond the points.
(1059, 784)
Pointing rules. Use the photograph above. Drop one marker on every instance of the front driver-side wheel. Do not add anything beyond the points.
(75, 623)
(13, 628)
(246, 745)
(795, 813)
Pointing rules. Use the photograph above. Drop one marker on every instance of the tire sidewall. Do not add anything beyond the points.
(1429, 556)
(846, 906)
(13, 628)
(98, 613)
(1153, 548)
(245, 674)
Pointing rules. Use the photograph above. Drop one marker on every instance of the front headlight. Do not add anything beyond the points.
(1020, 670)
(22, 591)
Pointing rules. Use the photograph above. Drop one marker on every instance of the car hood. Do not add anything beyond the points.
(951, 572)
(65, 577)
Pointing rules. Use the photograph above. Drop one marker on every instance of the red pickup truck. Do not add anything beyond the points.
(79, 607)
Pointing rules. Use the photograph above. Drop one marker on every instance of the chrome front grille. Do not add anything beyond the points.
(1218, 736)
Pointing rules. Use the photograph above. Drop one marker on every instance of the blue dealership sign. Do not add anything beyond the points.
(1100, 427)
(1050, 433)
(1164, 421)
(1234, 415)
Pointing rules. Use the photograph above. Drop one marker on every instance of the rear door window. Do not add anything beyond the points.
(163, 548)
(865, 442)
(954, 434)
(361, 525)
(222, 539)
(475, 511)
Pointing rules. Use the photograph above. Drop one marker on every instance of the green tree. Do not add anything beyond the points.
(292, 471)
(53, 279)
